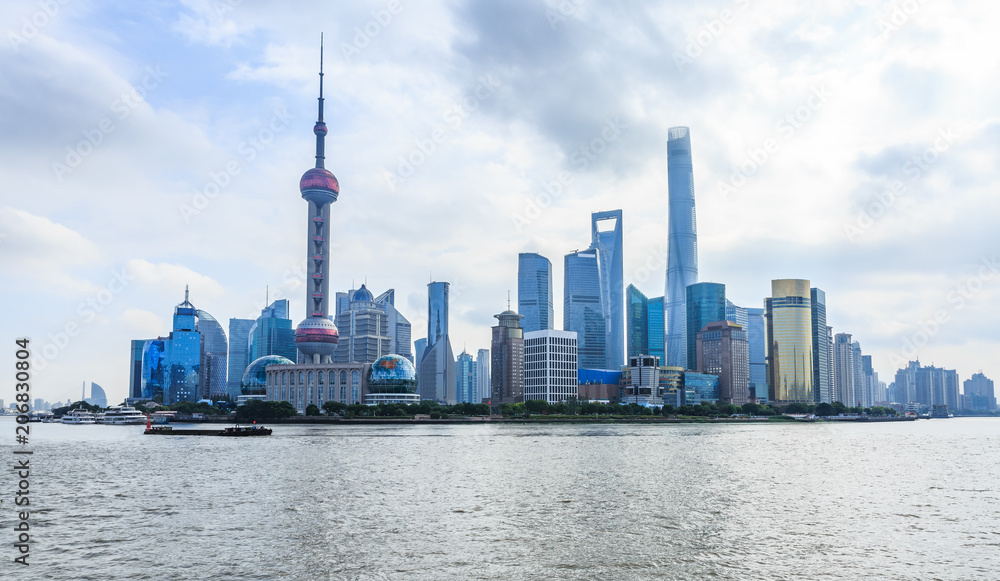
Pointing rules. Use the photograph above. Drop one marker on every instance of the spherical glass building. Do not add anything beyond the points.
(392, 379)
(254, 380)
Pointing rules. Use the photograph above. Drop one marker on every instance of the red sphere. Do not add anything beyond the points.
(319, 179)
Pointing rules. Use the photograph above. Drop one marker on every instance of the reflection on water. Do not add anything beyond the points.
(815, 501)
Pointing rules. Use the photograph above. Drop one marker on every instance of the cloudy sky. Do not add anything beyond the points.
(148, 146)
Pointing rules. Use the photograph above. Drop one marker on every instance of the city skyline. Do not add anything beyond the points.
(212, 89)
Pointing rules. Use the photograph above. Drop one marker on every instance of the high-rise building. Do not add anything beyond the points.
(721, 351)
(239, 353)
(757, 347)
(482, 375)
(436, 373)
(135, 375)
(741, 317)
(419, 347)
(214, 356)
(465, 379)
(905, 385)
(705, 303)
(550, 368)
(822, 388)
(400, 330)
(316, 337)
(654, 327)
(861, 396)
(979, 391)
(637, 322)
(507, 360)
(843, 370)
(582, 311)
(534, 291)
(682, 245)
(364, 330)
(272, 333)
(606, 239)
(789, 340)
(830, 364)
(182, 371)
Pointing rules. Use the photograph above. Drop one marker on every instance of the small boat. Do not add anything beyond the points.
(123, 416)
(78, 416)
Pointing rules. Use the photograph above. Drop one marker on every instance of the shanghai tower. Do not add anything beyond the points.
(682, 245)
(316, 337)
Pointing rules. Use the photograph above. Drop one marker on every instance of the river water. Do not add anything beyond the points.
(914, 500)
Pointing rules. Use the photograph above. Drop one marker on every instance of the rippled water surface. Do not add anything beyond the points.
(916, 500)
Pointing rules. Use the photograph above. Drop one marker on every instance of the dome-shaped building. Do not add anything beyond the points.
(392, 379)
(254, 381)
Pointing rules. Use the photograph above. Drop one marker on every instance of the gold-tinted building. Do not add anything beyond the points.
(788, 314)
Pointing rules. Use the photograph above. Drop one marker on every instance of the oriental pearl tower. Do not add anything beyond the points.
(316, 337)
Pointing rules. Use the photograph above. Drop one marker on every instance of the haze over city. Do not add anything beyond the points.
(152, 147)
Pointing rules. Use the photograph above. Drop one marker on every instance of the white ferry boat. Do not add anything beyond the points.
(122, 416)
(78, 416)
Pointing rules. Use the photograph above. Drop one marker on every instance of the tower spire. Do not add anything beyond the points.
(186, 293)
(320, 128)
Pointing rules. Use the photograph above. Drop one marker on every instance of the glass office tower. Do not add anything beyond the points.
(214, 356)
(637, 322)
(705, 303)
(606, 239)
(655, 327)
(788, 314)
(822, 381)
(757, 341)
(682, 245)
(582, 310)
(534, 291)
(183, 357)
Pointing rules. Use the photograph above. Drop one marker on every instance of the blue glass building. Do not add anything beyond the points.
(822, 357)
(183, 357)
(705, 303)
(534, 291)
(655, 327)
(436, 375)
(606, 239)
(272, 333)
(214, 356)
(682, 245)
(637, 322)
(704, 385)
(239, 353)
(465, 379)
(153, 369)
(756, 342)
(582, 311)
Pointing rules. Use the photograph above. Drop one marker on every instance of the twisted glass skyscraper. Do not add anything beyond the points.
(682, 244)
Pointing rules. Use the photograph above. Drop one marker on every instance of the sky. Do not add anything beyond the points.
(145, 147)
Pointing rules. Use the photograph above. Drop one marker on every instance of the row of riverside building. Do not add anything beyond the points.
(688, 346)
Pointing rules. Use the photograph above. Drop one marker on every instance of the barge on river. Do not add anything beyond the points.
(236, 431)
